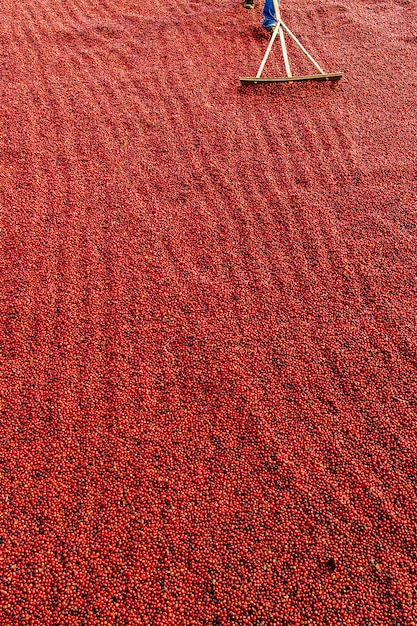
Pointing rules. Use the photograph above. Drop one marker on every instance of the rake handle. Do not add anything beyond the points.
(278, 30)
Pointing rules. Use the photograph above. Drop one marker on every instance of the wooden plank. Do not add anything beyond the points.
(333, 77)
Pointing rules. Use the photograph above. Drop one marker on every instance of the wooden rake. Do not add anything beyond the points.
(289, 78)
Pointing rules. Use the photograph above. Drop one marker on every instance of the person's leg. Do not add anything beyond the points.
(269, 14)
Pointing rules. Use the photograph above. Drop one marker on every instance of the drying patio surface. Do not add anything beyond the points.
(208, 355)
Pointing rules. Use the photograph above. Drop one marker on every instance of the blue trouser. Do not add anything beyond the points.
(269, 14)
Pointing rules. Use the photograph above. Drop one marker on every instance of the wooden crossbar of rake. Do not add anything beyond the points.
(289, 78)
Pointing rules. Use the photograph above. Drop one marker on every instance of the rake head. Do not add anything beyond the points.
(333, 77)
